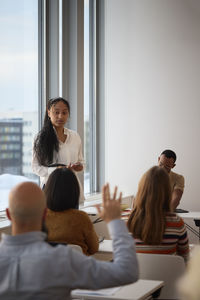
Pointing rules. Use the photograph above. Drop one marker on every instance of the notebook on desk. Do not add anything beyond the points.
(56, 165)
(180, 210)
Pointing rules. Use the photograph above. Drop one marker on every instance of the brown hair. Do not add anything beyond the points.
(147, 220)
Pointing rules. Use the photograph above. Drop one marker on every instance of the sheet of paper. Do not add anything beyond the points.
(90, 210)
(101, 292)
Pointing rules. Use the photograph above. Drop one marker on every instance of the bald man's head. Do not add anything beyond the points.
(26, 203)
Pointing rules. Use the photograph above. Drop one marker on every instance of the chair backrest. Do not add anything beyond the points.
(167, 268)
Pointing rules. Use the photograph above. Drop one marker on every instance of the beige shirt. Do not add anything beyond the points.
(177, 181)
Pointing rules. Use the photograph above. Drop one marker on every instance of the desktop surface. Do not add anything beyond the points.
(140, 290)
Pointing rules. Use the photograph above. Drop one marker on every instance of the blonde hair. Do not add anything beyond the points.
(147, 220)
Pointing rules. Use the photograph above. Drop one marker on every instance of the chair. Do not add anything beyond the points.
(167, 268)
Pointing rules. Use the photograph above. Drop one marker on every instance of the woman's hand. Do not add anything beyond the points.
(76, 167)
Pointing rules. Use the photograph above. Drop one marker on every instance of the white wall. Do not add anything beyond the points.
(152, 90)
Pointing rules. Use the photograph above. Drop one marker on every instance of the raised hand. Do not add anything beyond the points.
(111, 207)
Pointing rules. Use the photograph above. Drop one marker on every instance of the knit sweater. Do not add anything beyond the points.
(175, 239)
(72, 226)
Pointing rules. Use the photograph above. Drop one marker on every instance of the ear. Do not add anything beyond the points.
(158, 158)
(8, 214)
(48, 112)
(173, 166)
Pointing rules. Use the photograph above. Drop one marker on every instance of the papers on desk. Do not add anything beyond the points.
(126, 212)
(91, 210)
(101, 292)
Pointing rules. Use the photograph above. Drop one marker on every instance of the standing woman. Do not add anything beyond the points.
(56, 144)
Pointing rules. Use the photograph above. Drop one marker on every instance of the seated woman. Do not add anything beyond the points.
(64, 222)
(154, 226)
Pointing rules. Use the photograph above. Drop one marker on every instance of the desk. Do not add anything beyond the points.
(105, 251)
(190, 215)
(140, 290)
(106, 246)
(99, 225)
(90, 210)
(195, 215)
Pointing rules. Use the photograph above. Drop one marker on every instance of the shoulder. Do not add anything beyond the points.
(53, 215)
(50, 212)
(80, 214)
(176, 176)
(70, 132)
(177, 181)
(173, 218)
(82, 218)
(75, 212)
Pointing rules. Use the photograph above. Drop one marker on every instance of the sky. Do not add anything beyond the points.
(18, 55)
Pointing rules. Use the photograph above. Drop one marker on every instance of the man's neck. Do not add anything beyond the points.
(24, 229)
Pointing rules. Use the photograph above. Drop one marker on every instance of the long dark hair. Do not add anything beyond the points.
(46, 141)
(62, 190)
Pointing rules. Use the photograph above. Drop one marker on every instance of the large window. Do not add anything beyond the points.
(19, 90)
(89, 96)
(21, 82)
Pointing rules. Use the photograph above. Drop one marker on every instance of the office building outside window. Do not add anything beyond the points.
(19, 90)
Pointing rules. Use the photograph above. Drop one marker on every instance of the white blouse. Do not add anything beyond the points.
(69, 152)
